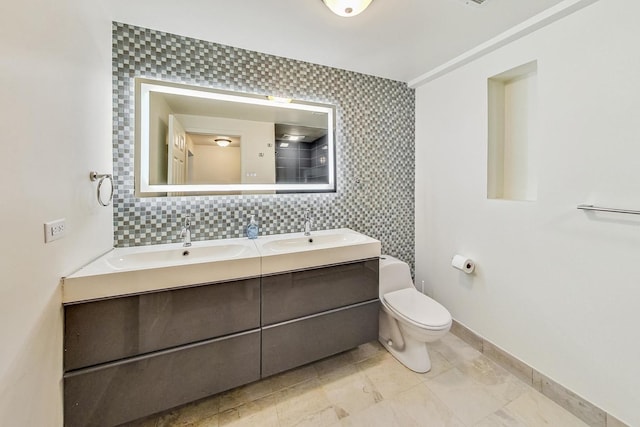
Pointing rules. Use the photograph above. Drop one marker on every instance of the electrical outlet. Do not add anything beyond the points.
(54, 230)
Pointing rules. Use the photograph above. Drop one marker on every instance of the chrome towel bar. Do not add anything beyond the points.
(601, 209)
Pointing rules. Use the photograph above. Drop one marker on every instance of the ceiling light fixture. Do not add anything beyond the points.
(222, 142)
(347, 8)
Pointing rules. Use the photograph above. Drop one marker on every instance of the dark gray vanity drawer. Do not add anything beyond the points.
(119, 392)
(301, 293)
(108, 330)
(297, 342)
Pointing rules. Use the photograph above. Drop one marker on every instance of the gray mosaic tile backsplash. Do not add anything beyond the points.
(374, 145)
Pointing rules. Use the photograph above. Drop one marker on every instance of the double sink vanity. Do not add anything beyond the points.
(151, 328)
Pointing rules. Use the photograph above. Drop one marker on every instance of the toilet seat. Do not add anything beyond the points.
(417, 308)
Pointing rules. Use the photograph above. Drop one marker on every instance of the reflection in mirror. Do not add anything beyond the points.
(194, 140)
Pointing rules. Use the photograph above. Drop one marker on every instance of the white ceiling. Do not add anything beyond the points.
(395, 39)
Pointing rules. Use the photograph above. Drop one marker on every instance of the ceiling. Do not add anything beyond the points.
(395, 39)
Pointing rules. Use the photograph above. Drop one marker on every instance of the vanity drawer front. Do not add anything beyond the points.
(297, 342)
(130, 389)
(290, 295)
(108, 330)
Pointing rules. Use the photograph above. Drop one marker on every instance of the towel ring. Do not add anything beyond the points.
(93, 176)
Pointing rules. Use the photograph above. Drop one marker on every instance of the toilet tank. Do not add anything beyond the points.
(394, 275)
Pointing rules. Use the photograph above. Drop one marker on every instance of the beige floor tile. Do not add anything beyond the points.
(468, 399)
(379, 415)
(248, 393)
(454, 350)
(368, 387)
(366, 351)
(502, 384)
(388, 375)
(500, 418)
(351, 393)
(340, 364)
(207, 422)
(182, 416)
(420, 406)
(305, 404)
(438, 365)
(262, 412)
(533, 410)
(291, 378)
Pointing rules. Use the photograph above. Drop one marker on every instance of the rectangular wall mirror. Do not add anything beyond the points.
(195, 140)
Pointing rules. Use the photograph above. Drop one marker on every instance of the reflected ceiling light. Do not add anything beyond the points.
(279, 99)
(222, 142)
(284, 144)
(347, 8)
(293, 137)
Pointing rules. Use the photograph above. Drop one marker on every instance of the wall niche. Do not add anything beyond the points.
(512, 130)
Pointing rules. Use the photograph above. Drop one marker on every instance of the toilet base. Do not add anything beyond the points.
(414, 355)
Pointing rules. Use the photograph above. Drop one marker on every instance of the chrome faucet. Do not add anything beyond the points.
(185, 234)
(308, 222)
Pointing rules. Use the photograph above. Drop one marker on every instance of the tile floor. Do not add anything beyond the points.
(366, 386)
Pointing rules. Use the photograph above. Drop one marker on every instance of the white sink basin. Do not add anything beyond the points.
(289, 252)
(175, 256)
(315, 241)
(132, 270)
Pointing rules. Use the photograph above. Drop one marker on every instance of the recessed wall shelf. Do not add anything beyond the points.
(512, 127)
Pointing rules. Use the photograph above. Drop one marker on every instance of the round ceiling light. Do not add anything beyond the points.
(222, 142)
(347, 8)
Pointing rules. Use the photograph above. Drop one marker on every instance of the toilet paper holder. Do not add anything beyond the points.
(463, 263)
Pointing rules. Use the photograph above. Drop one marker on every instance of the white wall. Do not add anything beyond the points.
(216, 165)
(159, 112)
(55, 115)
(557, 288)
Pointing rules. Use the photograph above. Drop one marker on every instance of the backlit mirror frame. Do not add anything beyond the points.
(144, 188)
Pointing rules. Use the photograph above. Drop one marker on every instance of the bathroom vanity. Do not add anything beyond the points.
(142, 335)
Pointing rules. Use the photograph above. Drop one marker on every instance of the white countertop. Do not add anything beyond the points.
(125, 271)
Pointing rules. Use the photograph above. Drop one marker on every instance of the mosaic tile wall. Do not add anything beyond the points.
(374, 145)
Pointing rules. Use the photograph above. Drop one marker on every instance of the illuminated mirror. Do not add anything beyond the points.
(194, 140)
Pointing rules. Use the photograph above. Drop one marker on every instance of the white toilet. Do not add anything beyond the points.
(408, 318)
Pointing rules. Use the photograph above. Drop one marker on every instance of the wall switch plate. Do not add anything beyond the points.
(54, 230)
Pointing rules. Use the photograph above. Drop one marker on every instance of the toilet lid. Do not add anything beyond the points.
(418, 308)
